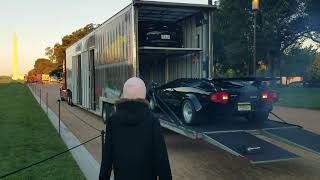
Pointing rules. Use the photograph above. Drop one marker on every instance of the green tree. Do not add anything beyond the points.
(297, 60)
(49, 52)
(281, 24)
(232, 37)
(313, 23)
(315, 70)
(57, 52)
(43, 66)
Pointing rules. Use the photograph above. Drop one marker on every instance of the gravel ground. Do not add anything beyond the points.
(192, 159)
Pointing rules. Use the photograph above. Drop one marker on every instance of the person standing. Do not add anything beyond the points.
(134, 145)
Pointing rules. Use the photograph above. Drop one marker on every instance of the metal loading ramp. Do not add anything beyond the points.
(297, 137)
(237, 141)
(237, 136)
(249, 147)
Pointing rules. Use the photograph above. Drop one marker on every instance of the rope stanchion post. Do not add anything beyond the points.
(47, 103)
(102, 140)
(40, 96)
(59, 104)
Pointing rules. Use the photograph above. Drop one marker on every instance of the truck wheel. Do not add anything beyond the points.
(258, 117)
(107, 111)
(188, 112)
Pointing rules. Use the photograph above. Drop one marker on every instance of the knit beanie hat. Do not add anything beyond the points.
(134, 88)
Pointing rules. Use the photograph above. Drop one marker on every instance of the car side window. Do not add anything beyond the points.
(172, 84)
(205, 85)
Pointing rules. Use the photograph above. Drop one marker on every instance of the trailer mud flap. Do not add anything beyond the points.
(249, 147)
(297, 137)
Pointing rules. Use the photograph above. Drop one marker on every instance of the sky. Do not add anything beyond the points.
(42, 23)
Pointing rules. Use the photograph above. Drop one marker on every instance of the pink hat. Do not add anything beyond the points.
(134, 88)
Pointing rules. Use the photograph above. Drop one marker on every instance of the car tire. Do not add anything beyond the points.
(189, 113)
(258, 117)
(107, 111)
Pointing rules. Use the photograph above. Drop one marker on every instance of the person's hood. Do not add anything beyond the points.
(132, 111)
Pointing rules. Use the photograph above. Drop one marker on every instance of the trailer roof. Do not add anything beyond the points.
(161, 3)
(155, 10)
(167, 11)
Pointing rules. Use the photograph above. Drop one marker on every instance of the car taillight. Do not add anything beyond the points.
(269, 96)
(265, 95)
(274, 96)
(220, 97)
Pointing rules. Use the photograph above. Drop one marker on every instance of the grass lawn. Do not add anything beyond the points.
(4, 81)
(27, 136)
(300, 97)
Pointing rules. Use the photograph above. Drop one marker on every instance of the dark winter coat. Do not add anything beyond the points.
(134, 147)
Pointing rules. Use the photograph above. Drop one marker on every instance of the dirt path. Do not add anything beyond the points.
(192, 159)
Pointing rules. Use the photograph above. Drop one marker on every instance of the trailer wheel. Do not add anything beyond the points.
(188, 112)
(107, 111)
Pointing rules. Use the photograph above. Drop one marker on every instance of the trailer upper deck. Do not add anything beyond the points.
(166, 11)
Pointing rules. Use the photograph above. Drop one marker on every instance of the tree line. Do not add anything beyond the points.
(56, 54)
(282, 28)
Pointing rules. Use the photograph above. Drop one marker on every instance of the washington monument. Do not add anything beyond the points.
(15, 72)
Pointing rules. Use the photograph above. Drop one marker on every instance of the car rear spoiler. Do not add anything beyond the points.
(257, 81)
(247, 79)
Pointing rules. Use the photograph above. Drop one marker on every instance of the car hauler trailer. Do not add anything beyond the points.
(97, 66)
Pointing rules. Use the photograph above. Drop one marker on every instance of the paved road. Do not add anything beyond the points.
(192, 159)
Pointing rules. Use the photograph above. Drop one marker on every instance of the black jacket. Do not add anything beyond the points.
(134, 147)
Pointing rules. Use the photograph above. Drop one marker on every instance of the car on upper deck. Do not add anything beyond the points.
(160, 34)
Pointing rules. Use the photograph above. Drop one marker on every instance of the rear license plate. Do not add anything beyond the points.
(165, 36)
(244, 107)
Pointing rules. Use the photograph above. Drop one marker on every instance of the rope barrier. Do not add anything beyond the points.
(85, 122)
(283, 119)
(79, 118)
(44, 160)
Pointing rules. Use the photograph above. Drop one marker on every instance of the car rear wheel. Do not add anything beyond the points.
(188, 112)
(258, 117)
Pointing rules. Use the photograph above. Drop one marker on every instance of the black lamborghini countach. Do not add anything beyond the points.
(215, 98)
